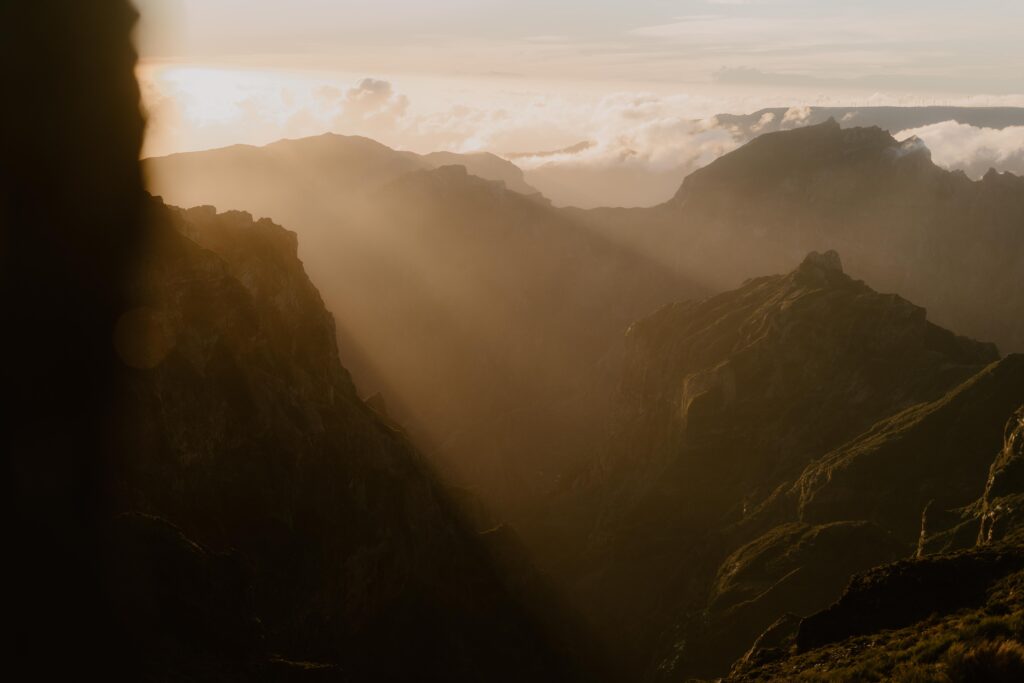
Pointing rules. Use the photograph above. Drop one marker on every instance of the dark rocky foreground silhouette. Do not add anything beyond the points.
(269, 517)
(70, 203)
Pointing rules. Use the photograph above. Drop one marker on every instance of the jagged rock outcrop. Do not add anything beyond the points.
(793, 569)
(948, 616)
(952, 618)
(1001, 504)
(745, 388)
(724, 404)
(247, 435)
(904, 593)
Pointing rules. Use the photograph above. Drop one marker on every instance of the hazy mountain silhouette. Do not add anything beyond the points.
(473, 287)
(263, 179)
(487, 320)
(196, 491)
(576, 176)
(905, 225)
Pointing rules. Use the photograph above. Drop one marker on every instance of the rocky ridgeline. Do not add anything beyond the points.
(772, 442)
(269, 515)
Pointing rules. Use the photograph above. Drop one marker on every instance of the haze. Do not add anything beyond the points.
(561, 342)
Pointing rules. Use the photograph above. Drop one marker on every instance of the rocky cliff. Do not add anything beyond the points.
(275, 512)
(486, 320)
(729, 405)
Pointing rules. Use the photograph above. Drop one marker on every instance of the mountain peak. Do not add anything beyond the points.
(828, 261)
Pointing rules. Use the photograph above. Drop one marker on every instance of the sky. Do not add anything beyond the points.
(536, 75)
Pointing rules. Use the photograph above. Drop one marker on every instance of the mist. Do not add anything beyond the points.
(514, 342)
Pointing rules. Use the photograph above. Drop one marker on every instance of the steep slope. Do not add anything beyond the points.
(492, 290)
(446, 286)
(933, 455)
(947, 617)
(801, 361)
(948, 243)
(277, 495)
(725, 402)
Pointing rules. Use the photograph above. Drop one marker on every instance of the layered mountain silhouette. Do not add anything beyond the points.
(900, 222)
(486, 321)
(731, 460)
(264, 180)
(797, 477)
(766, 444)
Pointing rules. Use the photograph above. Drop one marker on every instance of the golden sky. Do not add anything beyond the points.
(527, 75)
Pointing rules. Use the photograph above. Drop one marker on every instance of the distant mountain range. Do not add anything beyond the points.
(725, 457)
(703, 486)
(446, 286)
(576, 176)
(327, 164)
(892, 119)
(901, 222)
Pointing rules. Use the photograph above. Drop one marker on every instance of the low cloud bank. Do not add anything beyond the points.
(958, 146)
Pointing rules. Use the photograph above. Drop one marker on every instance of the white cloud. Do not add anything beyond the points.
(796, 117)
(766, 120)
(371, 107)
(971, 149)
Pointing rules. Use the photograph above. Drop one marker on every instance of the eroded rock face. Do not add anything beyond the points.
(944, 615)
(1002, 505)
(248, 436)
(954, 617)
(903, 593)
(725, 402)
(749, 386)
(792, 569)
(935, 454)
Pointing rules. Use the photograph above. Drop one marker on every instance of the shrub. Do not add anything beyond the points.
(994, 660)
